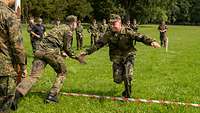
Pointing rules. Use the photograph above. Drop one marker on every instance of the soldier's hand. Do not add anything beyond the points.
(81, 58)
(64, 54)
(38, 36)
(155, 45)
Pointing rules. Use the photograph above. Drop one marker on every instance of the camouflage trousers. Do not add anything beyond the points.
(122, 67)
(7, 92)
(79, 41)
(35, 44)
(7, 82)
(39, 63)
(163, 40)
(94, 37)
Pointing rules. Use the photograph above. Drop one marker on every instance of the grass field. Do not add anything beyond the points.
(173, 76)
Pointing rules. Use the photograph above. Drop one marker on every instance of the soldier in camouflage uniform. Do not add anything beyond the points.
(57, 22)
(121, 50)
(163, 34)
(30, 24)
(103, 28)
(128, 24)
(49, 52)
(79, 35)
(93, 30)
(134, 26)
(11, 53)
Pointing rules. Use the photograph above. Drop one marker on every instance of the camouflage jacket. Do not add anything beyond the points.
(93, 29)
(103, 28)
(162, 27)
(134, 27)
(57, 40)
(120, 44)
(79, 29)
(11, 42)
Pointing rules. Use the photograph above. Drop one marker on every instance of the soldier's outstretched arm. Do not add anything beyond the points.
(99, 44)
(144, 39)
(67, 49)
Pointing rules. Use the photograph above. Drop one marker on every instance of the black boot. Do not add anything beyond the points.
(51, 99)
(15, 101)
(127, 92)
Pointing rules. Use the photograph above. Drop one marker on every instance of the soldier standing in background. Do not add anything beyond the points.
(128, 24)
(57, 22)
(134, 26)
(12, 53)
(49, 52)
(103, 28)
(163, 34)
(121, 51)
(79, 35)
(93, 30)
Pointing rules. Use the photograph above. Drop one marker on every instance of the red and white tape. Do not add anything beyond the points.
(130, 99)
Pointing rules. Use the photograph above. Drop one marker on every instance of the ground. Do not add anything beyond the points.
(172, 76)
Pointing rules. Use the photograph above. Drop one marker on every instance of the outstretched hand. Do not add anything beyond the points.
(81, 58)
(155, 45)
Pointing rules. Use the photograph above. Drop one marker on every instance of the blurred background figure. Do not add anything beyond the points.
(79, 35)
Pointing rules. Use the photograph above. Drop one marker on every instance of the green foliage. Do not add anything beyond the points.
(195, 15)
(145, 11)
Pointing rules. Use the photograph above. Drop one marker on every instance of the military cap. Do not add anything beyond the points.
(114, 17)
(71, 18)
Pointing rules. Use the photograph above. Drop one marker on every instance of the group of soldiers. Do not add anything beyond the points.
(52, 47)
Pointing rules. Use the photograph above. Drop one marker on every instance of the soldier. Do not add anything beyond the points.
(57, 22)
(11, 54)
(103, 28)
(49, 52)
(30, 25)
(93, 30)
(128, 24)
(37, 32)
(79, 35)
(163, 34)
(121, 50)
(134, 26)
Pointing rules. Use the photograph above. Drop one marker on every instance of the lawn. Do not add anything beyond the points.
(173, 76)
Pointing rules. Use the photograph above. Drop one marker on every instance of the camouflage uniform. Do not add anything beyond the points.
(11, 54)
(79, 37)
(163, 35)
(93, 29)
(103, 29)
(121, 51)
(49, 52)
(134, 26)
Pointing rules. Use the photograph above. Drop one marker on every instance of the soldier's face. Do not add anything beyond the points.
(116, 26)
(74, 25)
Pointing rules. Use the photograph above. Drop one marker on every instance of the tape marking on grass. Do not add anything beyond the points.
(162, 102)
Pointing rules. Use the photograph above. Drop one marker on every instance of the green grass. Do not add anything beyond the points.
(158, 75)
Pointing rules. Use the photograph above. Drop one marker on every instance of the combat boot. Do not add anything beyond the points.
(51, 99)
(127, 92)
(15, 101)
